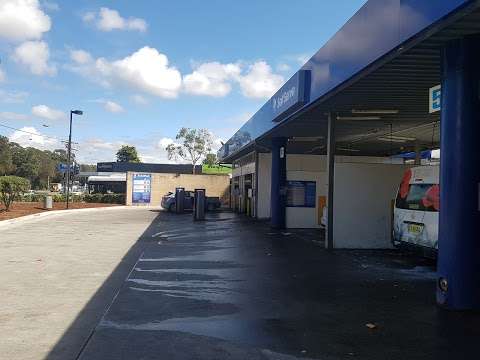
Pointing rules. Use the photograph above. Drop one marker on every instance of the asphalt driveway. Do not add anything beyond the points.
(141, 284)
(230, 288)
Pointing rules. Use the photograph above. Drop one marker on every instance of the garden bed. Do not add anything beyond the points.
(27, 208)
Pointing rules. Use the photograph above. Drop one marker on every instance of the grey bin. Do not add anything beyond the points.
(199, 205)
(48, 202)
(179, 200)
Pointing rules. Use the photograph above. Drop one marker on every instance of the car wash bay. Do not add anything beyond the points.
(356, 104)
(227, 288)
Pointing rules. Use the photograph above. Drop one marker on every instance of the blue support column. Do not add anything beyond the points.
(279, 183)
(458, 286)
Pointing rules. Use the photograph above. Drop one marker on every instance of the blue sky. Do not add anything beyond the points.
(142, 69)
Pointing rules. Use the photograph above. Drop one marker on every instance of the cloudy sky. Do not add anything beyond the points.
(142, 69)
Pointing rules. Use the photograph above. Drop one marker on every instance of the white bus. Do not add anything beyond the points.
(416, 212)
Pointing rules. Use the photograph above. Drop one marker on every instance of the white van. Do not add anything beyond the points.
(416, 213)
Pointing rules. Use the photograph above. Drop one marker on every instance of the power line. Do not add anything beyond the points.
(32, 133)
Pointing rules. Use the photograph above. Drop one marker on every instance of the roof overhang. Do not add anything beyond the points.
(374, 78)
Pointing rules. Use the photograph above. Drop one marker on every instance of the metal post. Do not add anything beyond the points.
(255, 191)
(278, 192)
(69, 158)
(459, 246)
(331, 179)
(418, 154)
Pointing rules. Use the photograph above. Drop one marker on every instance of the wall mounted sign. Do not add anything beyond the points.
(291, 96)
(141, 188)
(301, 194)
(434, 99)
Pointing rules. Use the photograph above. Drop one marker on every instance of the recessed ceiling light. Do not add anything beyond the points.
(397, 139)
(375, 111)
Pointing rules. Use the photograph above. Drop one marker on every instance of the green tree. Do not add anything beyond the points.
(47, 169)
(128, 154)
(6, 161)
(210, 159)
(10, 188)
(194, 145)
(27, 162)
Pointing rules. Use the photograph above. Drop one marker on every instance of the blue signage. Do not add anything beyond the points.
(63, 168)
(141, 188)
(435, 99)
(301, 194)
(291, 96)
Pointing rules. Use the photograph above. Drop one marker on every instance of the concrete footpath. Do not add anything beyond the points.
(53, 277)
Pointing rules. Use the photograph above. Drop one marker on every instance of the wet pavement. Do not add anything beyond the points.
(231, 288)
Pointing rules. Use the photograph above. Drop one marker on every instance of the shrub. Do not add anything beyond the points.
(10, 189)
(30, 198)
(105, 198)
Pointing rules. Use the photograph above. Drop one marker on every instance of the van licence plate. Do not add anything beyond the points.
(415, 229)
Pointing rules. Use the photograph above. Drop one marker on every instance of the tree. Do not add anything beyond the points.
(27, 162)
(210, 159)
(194, 145)
(128, 154)
(11, 187)
(6, 161)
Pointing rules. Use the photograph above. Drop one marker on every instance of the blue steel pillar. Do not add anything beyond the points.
(279, 183)
(458, 286)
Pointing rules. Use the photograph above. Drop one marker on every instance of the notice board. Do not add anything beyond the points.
(141, 188)
(301, 194)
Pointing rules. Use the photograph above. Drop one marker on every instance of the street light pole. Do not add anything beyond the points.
(76, 112)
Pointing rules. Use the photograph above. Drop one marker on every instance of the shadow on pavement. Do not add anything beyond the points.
(232, 288)
(78, 333)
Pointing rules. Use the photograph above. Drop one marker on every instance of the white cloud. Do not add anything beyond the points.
(22, 20)
(80, 56)
(139, 99)
(164, 142)
(94, 150)
(45, 112)
(149, 71)
(113, 107)
(260, 81)
(6, 115)
(211, 79)
(146, 69)
(109, 19)
(13, 97)
(29, 136)
(35, 56)
(3, 77)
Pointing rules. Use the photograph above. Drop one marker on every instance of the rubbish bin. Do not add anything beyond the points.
(48, 202)
(199, 205)
(179, 200)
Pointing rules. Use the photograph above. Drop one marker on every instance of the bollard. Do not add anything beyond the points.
(199, 205)
(48, 202)
(179, 200)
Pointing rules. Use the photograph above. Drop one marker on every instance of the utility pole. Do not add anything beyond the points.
(76, 112)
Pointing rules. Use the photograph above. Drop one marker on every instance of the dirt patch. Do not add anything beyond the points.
(27, 208)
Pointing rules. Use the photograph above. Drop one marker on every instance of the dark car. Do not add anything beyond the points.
(168, 202)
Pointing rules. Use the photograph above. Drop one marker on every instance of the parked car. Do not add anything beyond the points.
(416, 212)
(169, 203)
